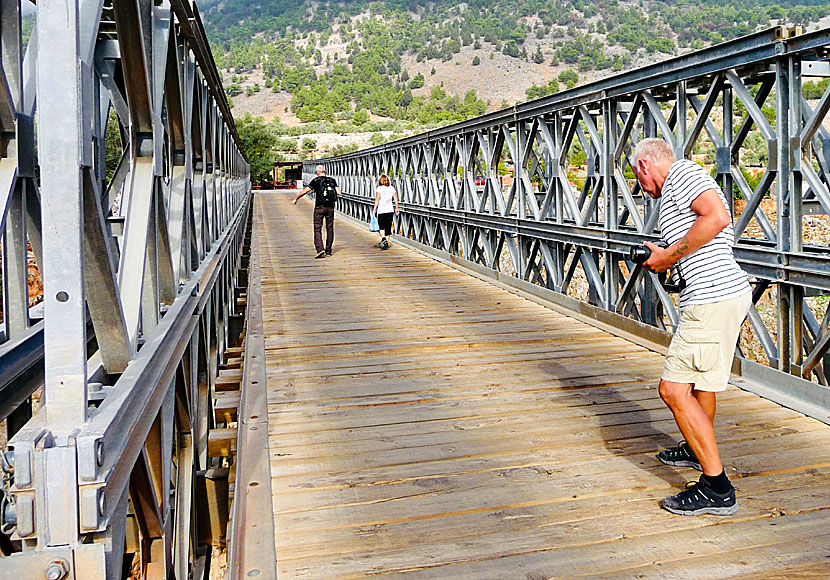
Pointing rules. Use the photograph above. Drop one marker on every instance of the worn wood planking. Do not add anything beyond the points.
(625, 512)
(517, 430)
(433, 408)
(402, 451)
(521, 439)
(557, 471)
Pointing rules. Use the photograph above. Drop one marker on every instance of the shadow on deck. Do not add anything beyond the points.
(426, 424)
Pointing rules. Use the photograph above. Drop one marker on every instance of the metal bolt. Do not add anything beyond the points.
(99, 452)
(57, 569)
(102, 503)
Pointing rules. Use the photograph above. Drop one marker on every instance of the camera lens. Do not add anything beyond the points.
(639, 254)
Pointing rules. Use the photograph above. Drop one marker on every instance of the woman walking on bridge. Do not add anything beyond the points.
(386, 202)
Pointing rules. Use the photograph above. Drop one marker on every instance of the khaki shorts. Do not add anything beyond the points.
(702, 348)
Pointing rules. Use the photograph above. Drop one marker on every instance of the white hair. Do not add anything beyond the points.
(320, 169)
(653, 149)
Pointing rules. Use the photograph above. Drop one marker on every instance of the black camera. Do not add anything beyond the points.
(641, 254)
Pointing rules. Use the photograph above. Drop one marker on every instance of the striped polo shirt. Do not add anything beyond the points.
(711, 273)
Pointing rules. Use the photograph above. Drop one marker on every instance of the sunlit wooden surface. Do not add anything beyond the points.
(426, 424)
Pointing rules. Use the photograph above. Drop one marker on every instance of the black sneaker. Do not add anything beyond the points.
(384, 244)
(699, 499)
(680, 456)
(328, 252)
(320, 254)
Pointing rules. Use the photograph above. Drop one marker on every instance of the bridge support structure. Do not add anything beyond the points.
(134, 205)
(559, 208)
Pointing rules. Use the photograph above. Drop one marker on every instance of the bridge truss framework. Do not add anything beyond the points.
(543, 230)
(142, 263)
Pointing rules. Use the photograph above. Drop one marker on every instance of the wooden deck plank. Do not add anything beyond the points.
(426, 424)
(524, 527)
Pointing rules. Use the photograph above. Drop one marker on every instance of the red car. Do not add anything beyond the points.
(479, 181)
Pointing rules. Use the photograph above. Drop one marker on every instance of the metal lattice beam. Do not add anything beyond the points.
(139, 268)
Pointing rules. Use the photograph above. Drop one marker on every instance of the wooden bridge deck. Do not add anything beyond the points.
(426, 424)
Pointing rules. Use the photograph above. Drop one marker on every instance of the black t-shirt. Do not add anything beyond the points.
(316, 185)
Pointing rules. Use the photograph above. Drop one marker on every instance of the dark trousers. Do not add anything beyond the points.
(321, 213)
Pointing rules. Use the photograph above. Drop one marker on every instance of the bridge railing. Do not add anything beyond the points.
(505, 192)
(133, 205)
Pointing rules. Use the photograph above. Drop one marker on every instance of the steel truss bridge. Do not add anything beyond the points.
(143, 263)
(149, 343)
(540, 232)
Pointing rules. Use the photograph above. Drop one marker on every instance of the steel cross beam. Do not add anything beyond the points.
(137, 226)
(546, 216)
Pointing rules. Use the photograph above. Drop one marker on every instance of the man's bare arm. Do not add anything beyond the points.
(299, 195)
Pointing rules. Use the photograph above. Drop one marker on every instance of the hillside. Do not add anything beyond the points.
(378, 70)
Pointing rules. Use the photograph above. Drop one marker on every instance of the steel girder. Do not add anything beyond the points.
(139, 270)
(532, 217)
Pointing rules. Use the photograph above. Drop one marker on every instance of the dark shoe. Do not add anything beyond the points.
(328, 252)
(699, 499)
(680, 456)
(320, 254)
(384, 244)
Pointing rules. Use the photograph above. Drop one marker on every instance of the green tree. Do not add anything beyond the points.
(815, 89)
(113, 144)
(406, 99)
(360, 117)
(258, 141)
(417, 82)
(476, 60)
(535, 92)
(511, 48)
(569, 77)
(576, 155)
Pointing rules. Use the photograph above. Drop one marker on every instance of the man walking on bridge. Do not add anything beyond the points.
(326, 191)
(697, 228)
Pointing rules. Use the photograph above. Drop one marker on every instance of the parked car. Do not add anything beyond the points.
(479, 181)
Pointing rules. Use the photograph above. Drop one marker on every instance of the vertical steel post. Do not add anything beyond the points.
(60, 142)
(680, 128)
(786, 348)
(607, 167)
(651, 309)
(727, 181)
(794, 232)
